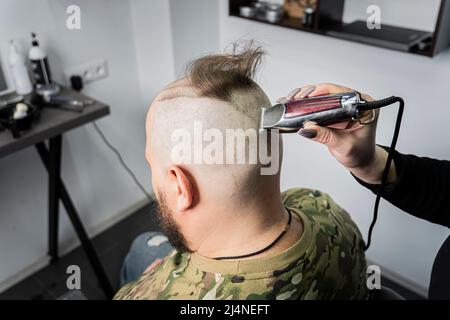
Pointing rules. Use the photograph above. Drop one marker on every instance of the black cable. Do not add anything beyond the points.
(377, 105)
(122, 162)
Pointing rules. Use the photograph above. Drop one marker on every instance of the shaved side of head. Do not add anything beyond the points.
(216, 94)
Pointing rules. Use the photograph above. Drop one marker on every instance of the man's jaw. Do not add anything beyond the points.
(230, 229)
(241, 232)
(169, 226)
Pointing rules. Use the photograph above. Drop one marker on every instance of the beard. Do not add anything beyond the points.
(169, 226)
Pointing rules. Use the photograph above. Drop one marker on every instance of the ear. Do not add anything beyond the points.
(182, 188)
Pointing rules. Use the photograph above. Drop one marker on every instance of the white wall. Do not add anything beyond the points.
(195, 30)
(99, 186)
(405, 245)
(152, 32)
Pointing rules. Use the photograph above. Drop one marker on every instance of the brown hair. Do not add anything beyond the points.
(218, 76)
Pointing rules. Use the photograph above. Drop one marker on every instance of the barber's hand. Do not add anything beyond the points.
(351, 143)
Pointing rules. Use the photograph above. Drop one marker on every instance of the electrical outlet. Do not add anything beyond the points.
(89, 71)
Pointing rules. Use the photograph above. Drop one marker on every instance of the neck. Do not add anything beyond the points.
(244, 229)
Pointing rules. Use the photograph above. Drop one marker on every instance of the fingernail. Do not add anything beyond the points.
(308, 133)
(279, 100)
(307, 92)
(293, 93)
(308, 123)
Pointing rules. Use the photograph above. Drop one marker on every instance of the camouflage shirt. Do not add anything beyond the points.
(327, 262)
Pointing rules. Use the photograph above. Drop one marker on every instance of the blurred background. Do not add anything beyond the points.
(146, 43)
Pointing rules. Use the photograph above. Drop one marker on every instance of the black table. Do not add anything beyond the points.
(52, 125)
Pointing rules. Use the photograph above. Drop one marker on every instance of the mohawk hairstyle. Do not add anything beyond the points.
(218, 76)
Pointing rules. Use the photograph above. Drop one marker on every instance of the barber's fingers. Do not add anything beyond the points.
(293, 93)
(302, 92)
(298, 93)
(317, 90)
(289, 96)
(342, 125)
(326, 136)
(369, 116)
(329, 88)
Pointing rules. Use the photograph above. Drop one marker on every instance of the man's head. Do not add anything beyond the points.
(204, 147)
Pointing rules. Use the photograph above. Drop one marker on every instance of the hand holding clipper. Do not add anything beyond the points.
(352, 145)
(350, 142)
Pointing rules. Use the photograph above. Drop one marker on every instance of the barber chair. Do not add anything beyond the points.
(440, 274)
(439, 288)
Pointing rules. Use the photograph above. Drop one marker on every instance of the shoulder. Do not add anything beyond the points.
(152, 283)
(321, 210)
(303, 198)
(332, 231)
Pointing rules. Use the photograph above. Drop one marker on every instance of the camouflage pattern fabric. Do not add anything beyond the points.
(327, 262)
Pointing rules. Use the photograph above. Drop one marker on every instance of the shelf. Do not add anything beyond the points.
(328, 22)
(286, 22)
(390, 37)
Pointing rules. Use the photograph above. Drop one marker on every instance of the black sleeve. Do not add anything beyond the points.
(422, 188)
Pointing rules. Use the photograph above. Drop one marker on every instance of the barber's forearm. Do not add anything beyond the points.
(372, 173)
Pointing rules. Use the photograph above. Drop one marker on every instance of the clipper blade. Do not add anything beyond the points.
(261, 121)
(271, 117)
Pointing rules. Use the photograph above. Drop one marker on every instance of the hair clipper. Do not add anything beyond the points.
(323, 110)
(326, 110)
